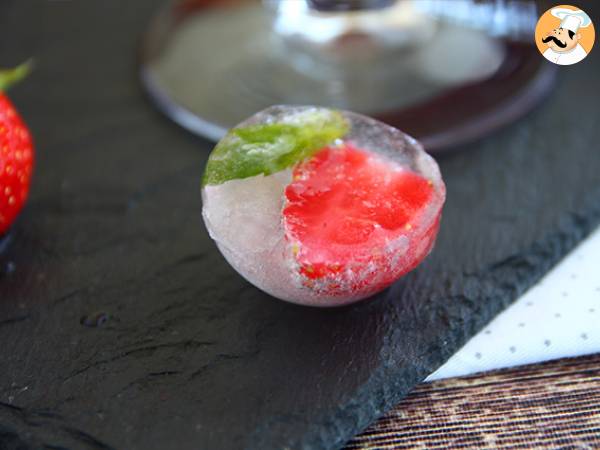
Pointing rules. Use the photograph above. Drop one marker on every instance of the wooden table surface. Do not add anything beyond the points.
(549, 405)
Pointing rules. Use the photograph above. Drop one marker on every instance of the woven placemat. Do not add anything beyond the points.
(550, 405)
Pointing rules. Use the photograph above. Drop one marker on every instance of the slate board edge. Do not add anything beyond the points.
(511, 277)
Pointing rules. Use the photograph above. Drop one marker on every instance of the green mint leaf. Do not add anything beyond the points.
(271, 147)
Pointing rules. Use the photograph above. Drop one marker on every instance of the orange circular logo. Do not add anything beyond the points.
(565, 35)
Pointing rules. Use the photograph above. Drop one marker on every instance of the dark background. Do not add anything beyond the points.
(187, 354)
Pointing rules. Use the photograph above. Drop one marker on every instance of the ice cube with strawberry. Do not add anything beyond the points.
(321, 207)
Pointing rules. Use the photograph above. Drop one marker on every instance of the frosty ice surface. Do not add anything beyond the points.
(321, 207)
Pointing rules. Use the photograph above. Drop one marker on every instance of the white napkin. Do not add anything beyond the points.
(556, 318)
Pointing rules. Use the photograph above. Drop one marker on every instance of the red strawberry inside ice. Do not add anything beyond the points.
(354, 220)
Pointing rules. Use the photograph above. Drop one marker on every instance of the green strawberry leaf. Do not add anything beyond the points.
(271, 147)
(8, 77)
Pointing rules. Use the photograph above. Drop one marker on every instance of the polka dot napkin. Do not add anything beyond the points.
(556, 318)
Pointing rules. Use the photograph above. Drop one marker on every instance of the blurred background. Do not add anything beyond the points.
(446, 71)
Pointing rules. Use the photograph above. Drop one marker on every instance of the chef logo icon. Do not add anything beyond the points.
(564, 35)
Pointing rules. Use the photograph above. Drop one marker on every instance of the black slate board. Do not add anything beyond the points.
(191, 355)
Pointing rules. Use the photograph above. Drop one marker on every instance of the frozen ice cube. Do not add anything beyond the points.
(321, 207)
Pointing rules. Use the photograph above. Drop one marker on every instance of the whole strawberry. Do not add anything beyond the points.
(16, 153)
